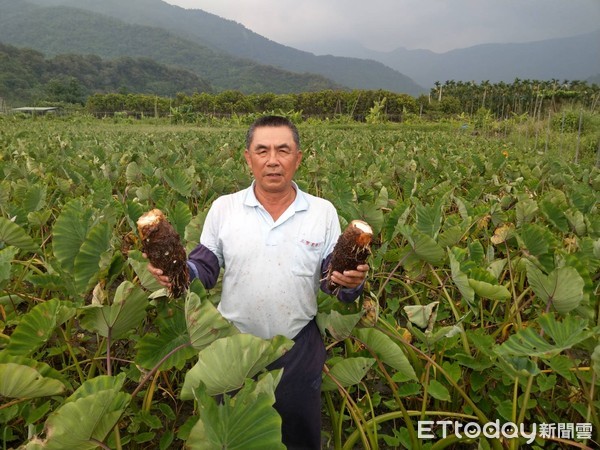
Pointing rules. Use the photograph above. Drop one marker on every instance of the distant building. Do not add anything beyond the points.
(36, 109)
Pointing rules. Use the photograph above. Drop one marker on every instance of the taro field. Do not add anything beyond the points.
(482, 323)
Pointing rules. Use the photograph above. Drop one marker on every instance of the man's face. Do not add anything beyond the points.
(273, 157)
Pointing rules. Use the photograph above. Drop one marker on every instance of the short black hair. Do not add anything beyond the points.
(272, 121)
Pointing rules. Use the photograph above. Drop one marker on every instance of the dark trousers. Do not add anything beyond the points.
(298, 395)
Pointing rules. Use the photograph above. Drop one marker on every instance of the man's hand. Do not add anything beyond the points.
(351, 278)
(158, 274)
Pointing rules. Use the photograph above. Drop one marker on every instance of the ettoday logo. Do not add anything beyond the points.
(508, 430)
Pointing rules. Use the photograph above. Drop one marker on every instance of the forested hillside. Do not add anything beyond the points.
(27, 76)
(61, 30)
(234, 39)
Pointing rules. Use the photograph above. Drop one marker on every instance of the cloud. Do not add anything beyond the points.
(384, 25)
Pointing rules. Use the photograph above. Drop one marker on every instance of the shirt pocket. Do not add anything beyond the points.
(308, 255)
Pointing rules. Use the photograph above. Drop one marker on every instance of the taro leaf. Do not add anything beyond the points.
(13, 234)
(133, 211)
(577, 221)
(247, 421)
(179, 217)
(347, 372)
(132, 172)
(19, 381)
(422, 316)
(140, 267)
(438, 391)
(42, 368)
(429, 217)
(36, 327)
(488, 290)
(193, 230)
(564, 335)
(172, 339)
(90, 413)
(205, 323)
(563, 287)
(87, 261)
(178, 180)
(518, 366)
(126, 312)
(555, 215)
(526, 210)
(6, 256)
(387, 351)
(461, 281)
(226, 363)
(424, 246)
(69, 232)
(596, 363)
(35, 198)
(339, 325)
(371, 214)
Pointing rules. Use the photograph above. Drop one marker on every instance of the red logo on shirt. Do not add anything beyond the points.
(311, 244)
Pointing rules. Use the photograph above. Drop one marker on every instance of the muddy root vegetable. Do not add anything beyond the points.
(162, 245)
(351, 250)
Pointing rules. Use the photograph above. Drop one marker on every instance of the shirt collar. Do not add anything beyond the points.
(300, 202)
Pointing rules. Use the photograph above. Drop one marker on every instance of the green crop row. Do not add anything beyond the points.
(481, 304)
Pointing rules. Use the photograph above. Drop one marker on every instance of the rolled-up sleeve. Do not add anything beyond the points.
(204, 265)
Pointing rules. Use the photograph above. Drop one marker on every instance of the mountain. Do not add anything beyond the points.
(571, 58)
(59, 30)
(224, 52)
(26, 75)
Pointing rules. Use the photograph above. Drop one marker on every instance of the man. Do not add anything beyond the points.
(274, 242)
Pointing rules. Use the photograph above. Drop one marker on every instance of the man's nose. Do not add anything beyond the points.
(273, 157)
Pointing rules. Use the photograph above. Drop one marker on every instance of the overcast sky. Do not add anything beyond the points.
(384, 25)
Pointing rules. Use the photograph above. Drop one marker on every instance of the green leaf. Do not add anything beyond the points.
(536, 239)
(438, 391)
(205, 323)
(90, 413)
(388, 351)
(563, 287)
(429, 217)
(35, 328)
(339, 325)
(18, 381)
(347, 372)
(564, 335)
(179, 181)
(596, 362)
(526, 210)
(35, 198)
(140, 267)
(6, 256)
(87, 261)
(179, 217)
(69, 232)
(172, 334)
(13, 234)
(247, 421)
(424, 246)
(422, 316)
(126, 312)
(488, 290)
(461, 280)
(555, 215)
(246, 356)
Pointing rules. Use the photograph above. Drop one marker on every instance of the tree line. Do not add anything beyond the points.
(502, 100)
